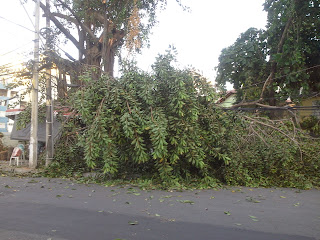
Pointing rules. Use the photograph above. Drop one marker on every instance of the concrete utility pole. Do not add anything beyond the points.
(33, 155)
(49, 107)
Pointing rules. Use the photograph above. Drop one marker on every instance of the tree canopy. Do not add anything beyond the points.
(284, 58)
(99, 28)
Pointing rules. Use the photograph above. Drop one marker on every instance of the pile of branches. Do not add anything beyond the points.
(165, 126)
(273, 153)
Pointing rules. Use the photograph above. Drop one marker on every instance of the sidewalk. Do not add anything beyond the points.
(4, 167)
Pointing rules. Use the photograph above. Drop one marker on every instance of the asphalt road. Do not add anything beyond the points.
(44, 209)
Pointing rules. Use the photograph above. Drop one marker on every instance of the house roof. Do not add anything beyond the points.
(228, 94)
(24, 134)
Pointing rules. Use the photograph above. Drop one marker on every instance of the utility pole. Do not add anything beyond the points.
(49, 107)
(33, 155)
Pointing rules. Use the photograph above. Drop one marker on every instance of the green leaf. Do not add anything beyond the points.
(133, 222)
(186, 201)
(227, 213)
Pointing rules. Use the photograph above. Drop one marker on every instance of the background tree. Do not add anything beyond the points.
(98, 28)
(289, 59)
(244, 64)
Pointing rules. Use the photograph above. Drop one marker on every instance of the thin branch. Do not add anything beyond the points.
(273, 68)
(83, 26)
(62, 28)
(259, 136)
(278, 130)
(66, 17)
(247, 103)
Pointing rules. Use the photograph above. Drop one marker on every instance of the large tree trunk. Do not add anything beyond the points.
(62, 85)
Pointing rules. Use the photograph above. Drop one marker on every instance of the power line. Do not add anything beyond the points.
(27, 13)
(282, 76)
(17, 24)
(16, 49)
(304, 96)
(297, 108)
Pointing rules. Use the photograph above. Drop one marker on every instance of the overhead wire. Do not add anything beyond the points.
(17, 24)
(27, 13)
(282, 76)
(16, 49)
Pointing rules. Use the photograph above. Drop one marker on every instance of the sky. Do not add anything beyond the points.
(198, 35)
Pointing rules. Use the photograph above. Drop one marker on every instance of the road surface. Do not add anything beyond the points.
(55, 209)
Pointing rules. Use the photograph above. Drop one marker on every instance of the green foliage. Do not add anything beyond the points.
(273, 153)
(295, 54)
(301, 44)
(25, 116)
(244, 63)
(150, 123)
(164, 128)
(311, 124)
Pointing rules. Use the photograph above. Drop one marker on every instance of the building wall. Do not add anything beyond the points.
(7, 141)
(310, 102)
(3, 107)
(229, 101)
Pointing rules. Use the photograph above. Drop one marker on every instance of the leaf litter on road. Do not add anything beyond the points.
(133, 222)
(186, 201)
(254, 218)
(252, 199)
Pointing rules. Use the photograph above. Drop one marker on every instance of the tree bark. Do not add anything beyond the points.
(98, 54)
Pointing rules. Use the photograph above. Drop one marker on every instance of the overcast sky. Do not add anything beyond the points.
(199, 35)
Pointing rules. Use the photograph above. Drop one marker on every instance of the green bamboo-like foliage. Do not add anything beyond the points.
(159, 121)
(165, 125)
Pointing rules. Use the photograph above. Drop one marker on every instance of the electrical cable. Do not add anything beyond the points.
(27, 14)
(298, 108)
(282, 76)
(67, 54)
(17, 24)
(16, 49)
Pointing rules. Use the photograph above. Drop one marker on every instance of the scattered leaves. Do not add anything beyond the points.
(227, 213)
(251, 199)
(186, 201)
(133, 222)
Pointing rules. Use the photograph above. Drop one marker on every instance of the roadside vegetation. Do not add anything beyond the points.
(163, 128)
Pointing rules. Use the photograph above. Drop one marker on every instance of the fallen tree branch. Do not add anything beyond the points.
(280, 131)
